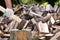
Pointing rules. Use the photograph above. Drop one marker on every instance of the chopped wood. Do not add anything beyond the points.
(2, 9)
(10, 26)
(20, 35)
(28, 18)
(25, 24)
(16, 18)
(43, 27)
(6, 35)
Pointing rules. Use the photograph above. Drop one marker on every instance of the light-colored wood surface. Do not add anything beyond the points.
(16, 18)
(43, 27)
(20, 35)
(56, 26)
(2, 9)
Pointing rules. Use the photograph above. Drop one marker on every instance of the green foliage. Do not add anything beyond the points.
(41, 2)
(32, 1)
(26, 1)
(44, 4)
(14, 2)
(57, 3)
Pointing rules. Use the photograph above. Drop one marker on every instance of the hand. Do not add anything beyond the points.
(9, 12)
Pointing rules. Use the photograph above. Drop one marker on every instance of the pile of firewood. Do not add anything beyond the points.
(42, 24)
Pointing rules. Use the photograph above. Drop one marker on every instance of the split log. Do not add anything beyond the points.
(1, 33)
(6, 36)
(16, 18)
(35, 14)
(56, 26)
(10, 26)
(56, 36)
(16, 24)
(44, 19)
(55, 8)
(52, 20)
(22, 24)
(58, 10)
(47, 18)
(20, 35)
(2, 9)
(46, 35)
(26, 24)
(33, 21)
(42, 38)
(43, 27)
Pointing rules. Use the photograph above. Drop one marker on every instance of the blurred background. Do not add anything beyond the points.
(40, 2)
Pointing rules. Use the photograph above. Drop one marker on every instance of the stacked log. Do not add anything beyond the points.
(43, 26)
